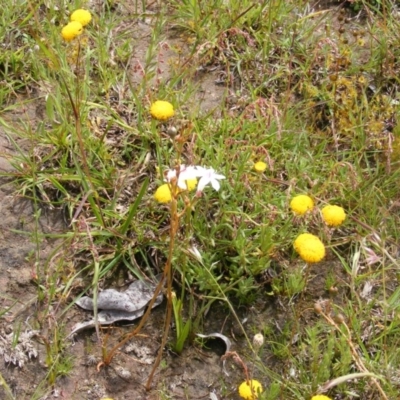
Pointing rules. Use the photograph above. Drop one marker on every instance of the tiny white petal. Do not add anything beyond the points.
(191, 171)
(203, 182)
(215, 184)
(200, 170)
(182, 184)
(171, 174)
(208, 176)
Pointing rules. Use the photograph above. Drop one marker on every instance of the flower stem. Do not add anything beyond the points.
(168, 276)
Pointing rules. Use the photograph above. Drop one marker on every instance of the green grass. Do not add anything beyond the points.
(313, 94)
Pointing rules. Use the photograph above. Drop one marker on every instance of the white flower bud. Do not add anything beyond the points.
(258, 341)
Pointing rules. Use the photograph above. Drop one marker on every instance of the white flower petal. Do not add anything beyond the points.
(215, 184)
(203, 182)
(201, 171)
(188, 173)
(171, 174)
(182, 184)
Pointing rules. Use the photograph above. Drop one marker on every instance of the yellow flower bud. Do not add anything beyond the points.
(301, 204)
(333, 215)
(309, 247)
(71, 30)
(162, 110)
(320, 397)
(82, 16)
(250, 390)
(260, 166)
(163, 194)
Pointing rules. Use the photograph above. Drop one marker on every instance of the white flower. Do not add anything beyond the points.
(185, 173)
(208, 176)
(196, 253)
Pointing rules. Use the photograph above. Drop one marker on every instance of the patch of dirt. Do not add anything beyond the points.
(169, 60)
(172, 57)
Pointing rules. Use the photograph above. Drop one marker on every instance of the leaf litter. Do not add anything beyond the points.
(118, 306)
(225, 339)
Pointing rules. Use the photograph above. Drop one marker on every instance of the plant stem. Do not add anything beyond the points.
(168, 275)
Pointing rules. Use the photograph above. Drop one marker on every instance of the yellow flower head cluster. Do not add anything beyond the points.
(191, 184)
(71, 30)
(82, 16)
(333, 215)
(250, 390)
(309, 247)
(320, 397)
(162, 110)
(301, 204)
(163, 193)
(79, 19)
(260, 166)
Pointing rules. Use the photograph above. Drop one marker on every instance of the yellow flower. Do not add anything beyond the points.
(301, 204)
(333, 215)
(82, 16)
(309, 247)
(71, 31)
(162, 110)
(163, 194)
(320, 397)
(250, 390)
(191, 184)
(260, 166)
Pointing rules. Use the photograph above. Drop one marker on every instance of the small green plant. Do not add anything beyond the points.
(57, 362)
(182, 328)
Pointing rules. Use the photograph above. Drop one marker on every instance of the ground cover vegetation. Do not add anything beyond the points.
(283, 195)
